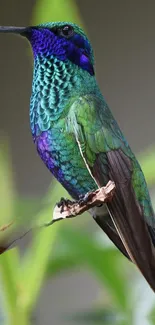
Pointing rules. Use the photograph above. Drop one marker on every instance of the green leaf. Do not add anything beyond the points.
(9, 262)
(9, 270)
(7, 190)
(38, 254)
(62, 262)
(56, 10)
(104, 263)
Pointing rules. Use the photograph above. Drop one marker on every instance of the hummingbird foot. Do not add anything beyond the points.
(66, 208)
(63, 203)
(84, 199)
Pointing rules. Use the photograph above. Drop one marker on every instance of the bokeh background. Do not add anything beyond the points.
(72, 274)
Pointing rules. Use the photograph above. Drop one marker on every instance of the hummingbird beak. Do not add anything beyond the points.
(12, 29)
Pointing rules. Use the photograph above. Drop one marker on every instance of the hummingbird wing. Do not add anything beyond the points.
(108, 156)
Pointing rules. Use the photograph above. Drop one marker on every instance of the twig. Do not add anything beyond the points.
(70, 209)
(8, 225)
(66, 209)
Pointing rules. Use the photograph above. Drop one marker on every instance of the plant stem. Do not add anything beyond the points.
(20, 316)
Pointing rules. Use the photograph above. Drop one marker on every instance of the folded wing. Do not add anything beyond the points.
(108, 156)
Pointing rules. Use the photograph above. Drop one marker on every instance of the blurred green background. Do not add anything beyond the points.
(71, 273)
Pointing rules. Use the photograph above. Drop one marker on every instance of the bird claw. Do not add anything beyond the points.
(64, 203)
(83, 199)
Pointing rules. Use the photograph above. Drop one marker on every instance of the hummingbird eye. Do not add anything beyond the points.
(66, 31)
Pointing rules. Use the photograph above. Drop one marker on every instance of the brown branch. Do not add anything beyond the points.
(63, 210)
(70, 209)
(5, 227)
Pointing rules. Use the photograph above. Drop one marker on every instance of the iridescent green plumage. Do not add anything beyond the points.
(80, 142)
(98, 133)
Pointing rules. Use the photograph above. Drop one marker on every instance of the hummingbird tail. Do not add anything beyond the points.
(130, 222)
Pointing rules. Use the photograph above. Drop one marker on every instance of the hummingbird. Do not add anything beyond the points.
(80, 142)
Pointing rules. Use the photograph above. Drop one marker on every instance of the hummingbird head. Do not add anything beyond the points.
(62, 40)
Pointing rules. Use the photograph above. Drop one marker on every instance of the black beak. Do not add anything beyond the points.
(11, 29)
